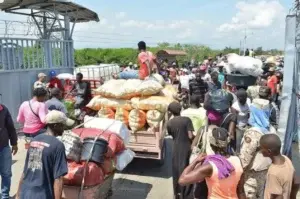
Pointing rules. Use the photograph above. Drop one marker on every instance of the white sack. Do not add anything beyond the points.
(124, 159)
(73, 145)
(111, 125)
(244, 64)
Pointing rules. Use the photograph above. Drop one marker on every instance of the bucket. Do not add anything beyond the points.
(99, 150)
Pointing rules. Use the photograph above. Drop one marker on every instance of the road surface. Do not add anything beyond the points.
(142, 179)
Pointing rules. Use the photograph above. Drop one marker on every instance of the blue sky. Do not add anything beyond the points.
(216, 23)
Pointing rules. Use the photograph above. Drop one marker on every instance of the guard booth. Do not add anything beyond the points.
(21, 59)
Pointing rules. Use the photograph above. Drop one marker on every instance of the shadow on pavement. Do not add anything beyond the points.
(124, 188)
(148, 167)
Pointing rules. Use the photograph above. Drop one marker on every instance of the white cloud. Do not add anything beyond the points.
(161, 24)
(103, 21)
(261, 14)
(186, 34)
(121, 15)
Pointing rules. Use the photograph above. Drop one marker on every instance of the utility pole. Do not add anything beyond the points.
(245, 41)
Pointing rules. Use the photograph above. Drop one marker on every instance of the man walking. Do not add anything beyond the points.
(46, 162)
(7, 134)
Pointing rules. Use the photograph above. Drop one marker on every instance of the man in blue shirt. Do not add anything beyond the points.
(46, 162)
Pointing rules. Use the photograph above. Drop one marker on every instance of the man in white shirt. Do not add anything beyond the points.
(184, 80)
(40, 83)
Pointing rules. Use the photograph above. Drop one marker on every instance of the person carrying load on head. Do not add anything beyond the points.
(147, 62)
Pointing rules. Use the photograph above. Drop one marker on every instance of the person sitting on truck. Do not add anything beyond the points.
(182, 131)
(82, 91)
(147, 62)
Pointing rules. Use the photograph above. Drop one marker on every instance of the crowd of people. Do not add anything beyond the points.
(225, 142)
(232, 131)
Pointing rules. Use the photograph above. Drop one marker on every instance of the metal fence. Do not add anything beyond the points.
(22, 54)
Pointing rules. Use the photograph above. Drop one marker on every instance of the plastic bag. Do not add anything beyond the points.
(98, 102)
(245, 65)
(219, 100)
(151, 103)
(154, 117)
(73, 145)
(137, 119)
(124, 159)
(94, 174)
(113, 126)
(122, 115)
(106, 113)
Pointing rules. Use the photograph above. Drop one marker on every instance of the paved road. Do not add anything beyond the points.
(143, 179)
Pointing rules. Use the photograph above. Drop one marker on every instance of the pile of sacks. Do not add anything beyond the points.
(117, 157)
(139, 104)
(244, 65)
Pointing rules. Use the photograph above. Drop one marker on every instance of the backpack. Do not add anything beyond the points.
(219, 100)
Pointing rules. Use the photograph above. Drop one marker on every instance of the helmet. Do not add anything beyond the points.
(52, 73)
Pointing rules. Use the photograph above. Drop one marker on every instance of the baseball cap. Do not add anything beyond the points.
(58, 117)
(52, 73)
(130, 64)
(42, 75)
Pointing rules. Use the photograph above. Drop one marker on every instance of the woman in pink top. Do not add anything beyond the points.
(32, 113)
(221, 172)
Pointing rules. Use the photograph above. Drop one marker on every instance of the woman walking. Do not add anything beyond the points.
(181, 129)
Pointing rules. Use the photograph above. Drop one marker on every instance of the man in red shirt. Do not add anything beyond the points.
(147, 62)
(272, 82)
(55, 82)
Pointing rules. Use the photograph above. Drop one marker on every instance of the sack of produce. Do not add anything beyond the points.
(158, 78)
(151, 103)
(109, 165)
(137, 119)
(111, 88)
(154, 117)
(122, 115)
(149, 87)
(219, 100)
(73, 145)
(115, 142)
(169, 91)
(106, 113)
(244, 65)
(124, 159)
(110, 125)
(98, 102)
(94, 174)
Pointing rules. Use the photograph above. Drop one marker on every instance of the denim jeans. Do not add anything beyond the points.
(131, 74)
(5, 171)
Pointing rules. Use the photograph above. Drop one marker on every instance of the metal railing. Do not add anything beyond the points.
(24, 54)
